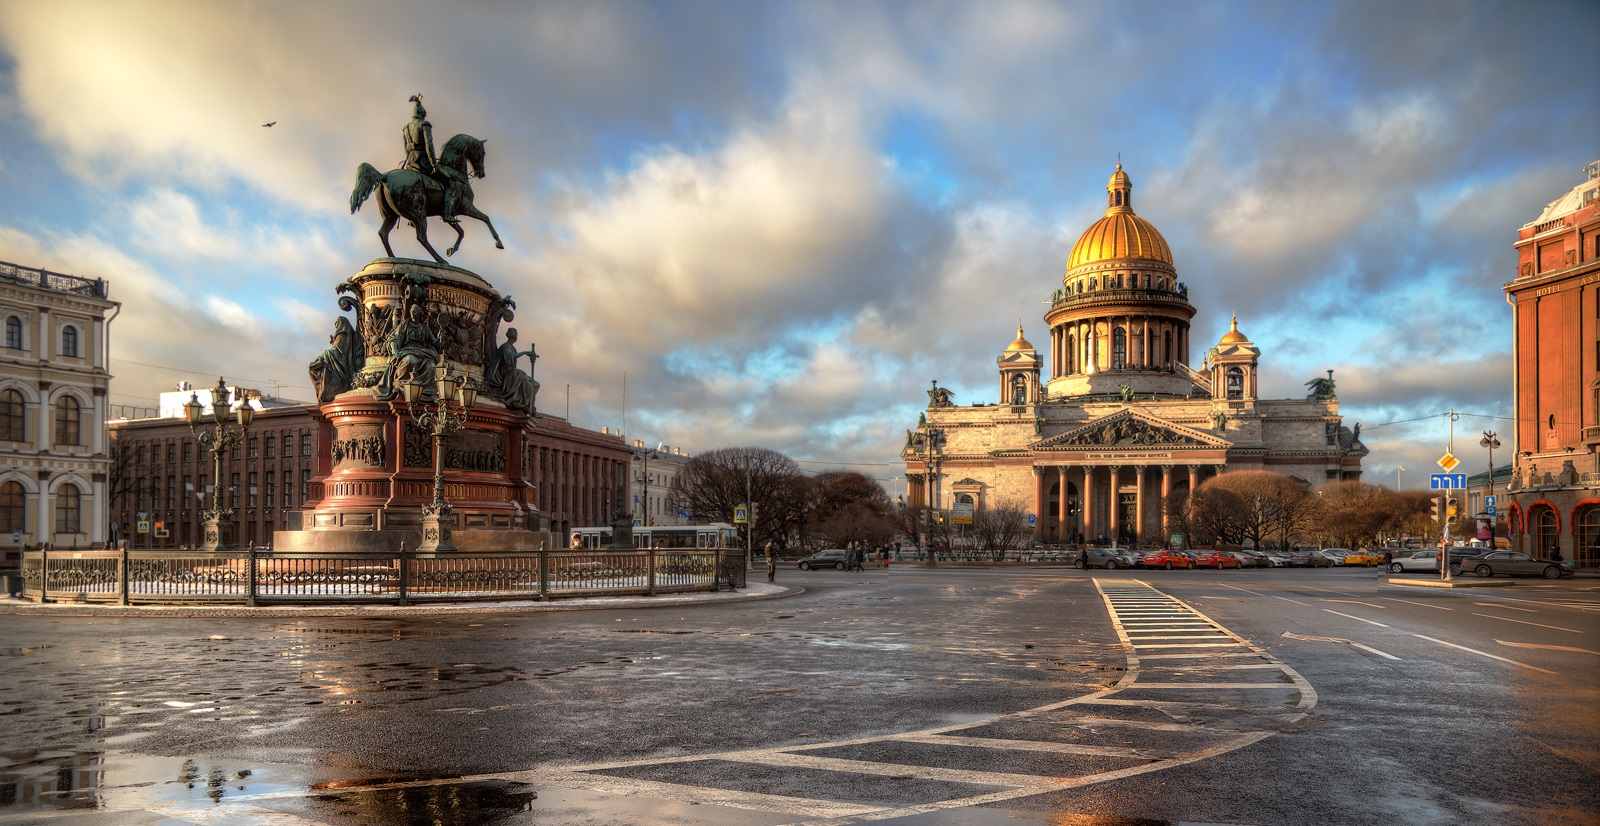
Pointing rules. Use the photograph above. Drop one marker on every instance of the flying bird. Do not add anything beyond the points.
(268, 124)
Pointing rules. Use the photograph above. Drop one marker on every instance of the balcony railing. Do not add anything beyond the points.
(1123, 296)
(59, 282)
(268, 578)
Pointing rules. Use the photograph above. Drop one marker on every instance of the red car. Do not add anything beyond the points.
(1168, 560)
(1215, 559)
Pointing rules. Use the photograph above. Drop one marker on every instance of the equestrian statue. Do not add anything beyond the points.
(425, 185)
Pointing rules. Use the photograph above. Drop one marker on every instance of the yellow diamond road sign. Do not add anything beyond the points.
(1448, 462)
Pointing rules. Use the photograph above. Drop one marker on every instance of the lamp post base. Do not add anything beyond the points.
(217, 533)
(437, 525)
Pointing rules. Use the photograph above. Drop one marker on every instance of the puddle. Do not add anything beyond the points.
(441, 804)
(73, 780)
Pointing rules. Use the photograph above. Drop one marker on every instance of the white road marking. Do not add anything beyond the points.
(1246, 590)
(1358, 619)
(1486, 654)
(1525, 622)
(1507, 607)
(1286, 599)
(1326, 591)
(1548, 647)
(1423, 604)
(1355, 602)
(1345, 641)
(1580, 606)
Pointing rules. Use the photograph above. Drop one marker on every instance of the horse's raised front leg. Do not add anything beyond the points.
(471, 209)
(460, 233)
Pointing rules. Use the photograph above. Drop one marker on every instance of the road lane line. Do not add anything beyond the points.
(1026, 745)
(1236, 588)
(1286, 599)
(1340, 639)
(1347, 616)
(1549, 647)
(1423, 604)
(1577, 606)
(1525, 622)
(1214, 685)
(1355, 602)
(1507, 607)
(1487, 654)
(1326, 591)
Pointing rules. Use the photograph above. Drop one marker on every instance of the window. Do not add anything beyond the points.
(13, 512)
(1585, 533)
(68, 509)
(255, 447)
(188, 452)
(188, 488)
(251, 491)
(11, 418)
(305, 444)
(172, 452)
(172, 492)
(68, 417)
(272, 448)
(233, 453)
(1119, 348)
(1546, 529)
(288, 445)
(233, 488)
(14, 333)
(1235, 383)
(271, 485)
(305, 485)
(69, 341)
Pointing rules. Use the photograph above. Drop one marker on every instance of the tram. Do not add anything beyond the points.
(714, 535)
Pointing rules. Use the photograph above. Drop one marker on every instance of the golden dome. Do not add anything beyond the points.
(1233, 336)
(1121, 233)
(1020, 344)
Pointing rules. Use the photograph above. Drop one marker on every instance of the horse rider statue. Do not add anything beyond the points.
(418, 137)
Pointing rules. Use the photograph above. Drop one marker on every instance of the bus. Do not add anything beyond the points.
(715, 535)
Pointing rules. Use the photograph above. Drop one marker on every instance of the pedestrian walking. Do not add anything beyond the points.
(1083, 559)
(772, 563)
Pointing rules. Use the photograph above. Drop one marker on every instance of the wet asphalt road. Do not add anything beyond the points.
(126, 721)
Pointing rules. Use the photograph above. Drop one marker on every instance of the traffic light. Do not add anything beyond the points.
(1451, 513)
(1436, 509)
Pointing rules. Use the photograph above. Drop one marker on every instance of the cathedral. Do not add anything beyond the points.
(1094, 448)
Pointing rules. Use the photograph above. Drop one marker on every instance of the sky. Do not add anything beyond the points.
(775, 223)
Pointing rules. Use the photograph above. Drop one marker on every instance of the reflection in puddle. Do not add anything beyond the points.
(451, 804)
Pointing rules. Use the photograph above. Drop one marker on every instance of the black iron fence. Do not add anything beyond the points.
(268, 578)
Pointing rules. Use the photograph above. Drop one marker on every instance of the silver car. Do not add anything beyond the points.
(1414, 561)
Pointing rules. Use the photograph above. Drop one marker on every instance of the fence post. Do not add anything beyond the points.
(44, 574)
(122, 576)
(650, 590)
(544, 574)
(405, 581)
(250, 577)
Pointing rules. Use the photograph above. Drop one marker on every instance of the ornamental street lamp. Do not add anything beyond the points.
(217, 522)
(931, 559)
(1490, 441)
(437, 516)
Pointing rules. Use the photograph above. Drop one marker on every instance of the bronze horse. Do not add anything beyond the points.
(415, 197)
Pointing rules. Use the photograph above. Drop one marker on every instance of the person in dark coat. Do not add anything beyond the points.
(772, 563)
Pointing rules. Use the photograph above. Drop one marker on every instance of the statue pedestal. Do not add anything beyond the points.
(375, 465)
(216, 531)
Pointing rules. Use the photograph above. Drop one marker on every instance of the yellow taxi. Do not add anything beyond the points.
(1363, 556)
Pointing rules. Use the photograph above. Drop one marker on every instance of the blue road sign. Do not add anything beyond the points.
(1447, 481)
(1489, 500)
(683, 514)
(1491, 511)
(1031, 520)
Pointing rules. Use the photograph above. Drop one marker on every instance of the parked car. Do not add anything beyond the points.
(1512, 563)
(835, 558)
(1215, 559)
(1414, 561)
(1112, 558)
(1309, 559)
(1336, 555)
(1363, 557)
(1168, 560)
(1278, 560)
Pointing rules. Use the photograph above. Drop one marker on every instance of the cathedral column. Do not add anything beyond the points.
(1138, 503)
(1041, 497)
(1166, 489)
(1194, 478)
(1115, 501)
(1062, 516)
(1088, 503)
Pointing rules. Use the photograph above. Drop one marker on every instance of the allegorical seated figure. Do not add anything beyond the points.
(335, 370)
(413, 352)
(504, 381)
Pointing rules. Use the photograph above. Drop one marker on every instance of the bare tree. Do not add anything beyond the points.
(849, 507)
(713, 483)
(122, 479)
(1217, 514)
(1001, 526)
(1267, 502)
(1350, 514)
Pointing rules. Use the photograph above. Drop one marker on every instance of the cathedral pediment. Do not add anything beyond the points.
(1127, 429)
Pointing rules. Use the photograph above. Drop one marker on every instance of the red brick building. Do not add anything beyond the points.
(160, 470)
(1554, 491)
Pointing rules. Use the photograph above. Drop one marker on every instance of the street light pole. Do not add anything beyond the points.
(438, 517)
(931, 558)
(217, 522)
(1491, 442)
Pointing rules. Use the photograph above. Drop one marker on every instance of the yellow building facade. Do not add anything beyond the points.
(1095, 447)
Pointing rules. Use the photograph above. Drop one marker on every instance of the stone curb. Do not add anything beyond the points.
(1454, 583)
(752, 593)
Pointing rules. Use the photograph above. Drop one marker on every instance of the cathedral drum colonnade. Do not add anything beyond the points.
(1124, 421)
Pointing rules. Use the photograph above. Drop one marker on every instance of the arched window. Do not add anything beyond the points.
(12, 427)
(1072, 354)
(1545, 527)
(1586, 532)
(1119, 348)
(13, 514)
(1235, 383)
(69, 341)
(68, 509)
(1167, 362)
(68, 418)
(13, 333)
(1019, 389)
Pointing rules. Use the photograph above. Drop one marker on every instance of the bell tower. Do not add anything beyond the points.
(1019, 372)
(1233, 366)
